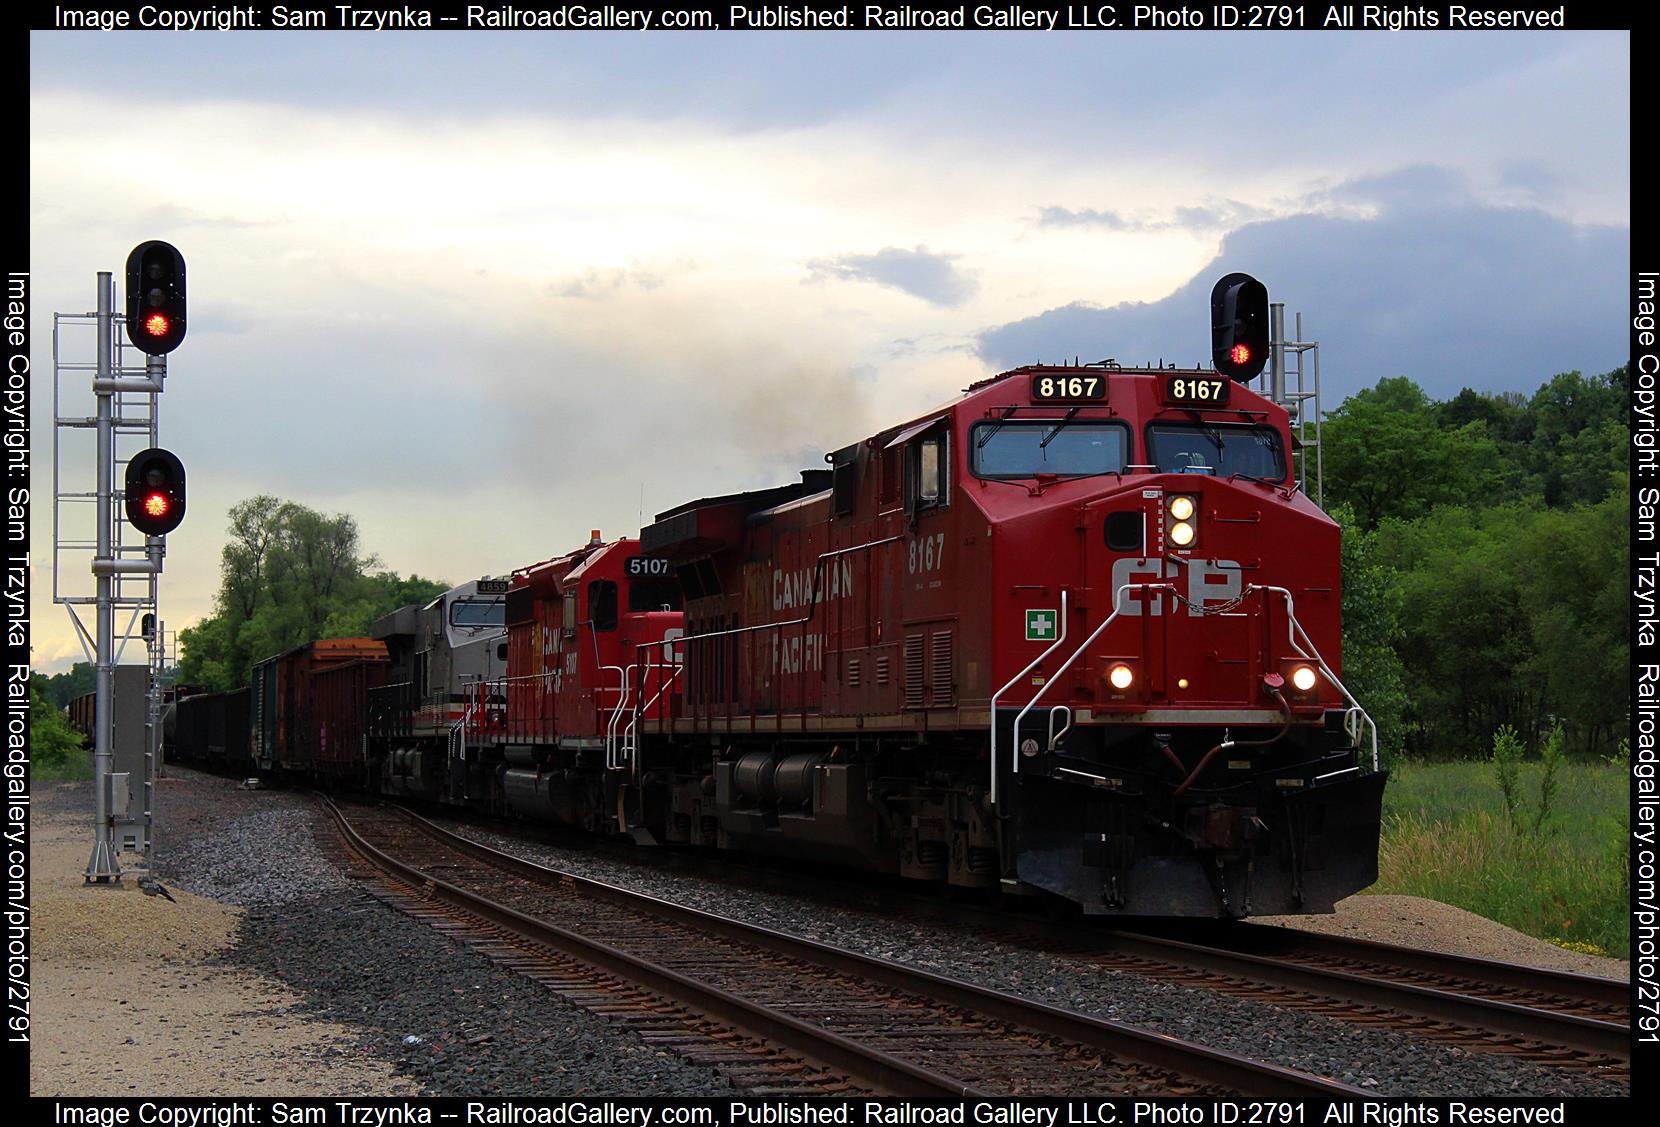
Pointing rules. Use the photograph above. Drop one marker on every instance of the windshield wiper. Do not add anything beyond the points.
(993, 429)
(1209, 432)
(1056, 429)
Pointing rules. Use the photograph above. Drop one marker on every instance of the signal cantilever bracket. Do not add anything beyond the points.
(126, 567)
(109, 386)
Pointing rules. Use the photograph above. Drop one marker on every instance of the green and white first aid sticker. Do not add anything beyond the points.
(1041, 625)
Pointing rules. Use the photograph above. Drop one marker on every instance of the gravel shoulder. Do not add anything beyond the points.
(131, 997)
(272, 972)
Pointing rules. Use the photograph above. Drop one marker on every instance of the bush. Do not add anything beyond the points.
(53, 744)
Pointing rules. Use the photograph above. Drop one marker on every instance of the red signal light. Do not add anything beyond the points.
(1240, 354)
(155, 488)
(155, 298)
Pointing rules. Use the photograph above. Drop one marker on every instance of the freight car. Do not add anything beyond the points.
(1073, 634)
(306, 712)
(210, 729)
(82, 713)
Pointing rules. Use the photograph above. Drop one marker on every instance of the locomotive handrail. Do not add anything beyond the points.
(1036, 661)
(1294, 629)
(1117, 609)
(631, 733)
(623, 681)
(1054, 736)
(498, 719)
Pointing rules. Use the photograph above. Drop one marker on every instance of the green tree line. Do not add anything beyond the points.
(287, 575)
(1484, 561)
(61, 688)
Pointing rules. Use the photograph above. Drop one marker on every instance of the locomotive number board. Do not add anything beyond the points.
(1206, 391)
(492, 586)
(637, 566)
(1068, 389)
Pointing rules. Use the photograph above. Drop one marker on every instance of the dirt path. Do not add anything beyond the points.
(1411, 921)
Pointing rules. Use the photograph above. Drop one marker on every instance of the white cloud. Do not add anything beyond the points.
(487, 325)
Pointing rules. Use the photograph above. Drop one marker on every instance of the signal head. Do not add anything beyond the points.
(1239, 329)
(155, 297)
(155, 492)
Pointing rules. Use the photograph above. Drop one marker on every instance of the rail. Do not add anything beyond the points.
(793, 1027)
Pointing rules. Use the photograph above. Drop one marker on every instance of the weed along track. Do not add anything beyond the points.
(779, 1013)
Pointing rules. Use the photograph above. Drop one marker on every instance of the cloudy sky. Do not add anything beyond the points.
(486, 292)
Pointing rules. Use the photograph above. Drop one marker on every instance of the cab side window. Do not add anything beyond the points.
(602, 604)
(927, 477)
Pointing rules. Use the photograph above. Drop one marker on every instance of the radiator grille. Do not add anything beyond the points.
(914, 680)
(942, 674)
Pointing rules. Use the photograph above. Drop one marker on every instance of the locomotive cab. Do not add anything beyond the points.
(418, 722)
(1171, 733)
(591, 652)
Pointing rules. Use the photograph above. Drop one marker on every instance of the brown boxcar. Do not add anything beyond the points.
(284, 706)
(338, 723)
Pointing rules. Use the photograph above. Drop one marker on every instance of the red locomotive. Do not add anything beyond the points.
(1075, 633)
(577, 628)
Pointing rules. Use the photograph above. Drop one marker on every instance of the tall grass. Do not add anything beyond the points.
(1450, 834)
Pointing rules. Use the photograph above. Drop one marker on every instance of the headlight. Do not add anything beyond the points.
(1183, 513)
(1121, 677)
(1303, 678)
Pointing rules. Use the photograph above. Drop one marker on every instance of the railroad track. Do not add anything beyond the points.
(1548, 1017)
(1470, 1003)
(789, 1014)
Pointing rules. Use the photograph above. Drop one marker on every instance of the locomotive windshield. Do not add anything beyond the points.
(478, 612)
(1047, 446)
(1219, 450)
